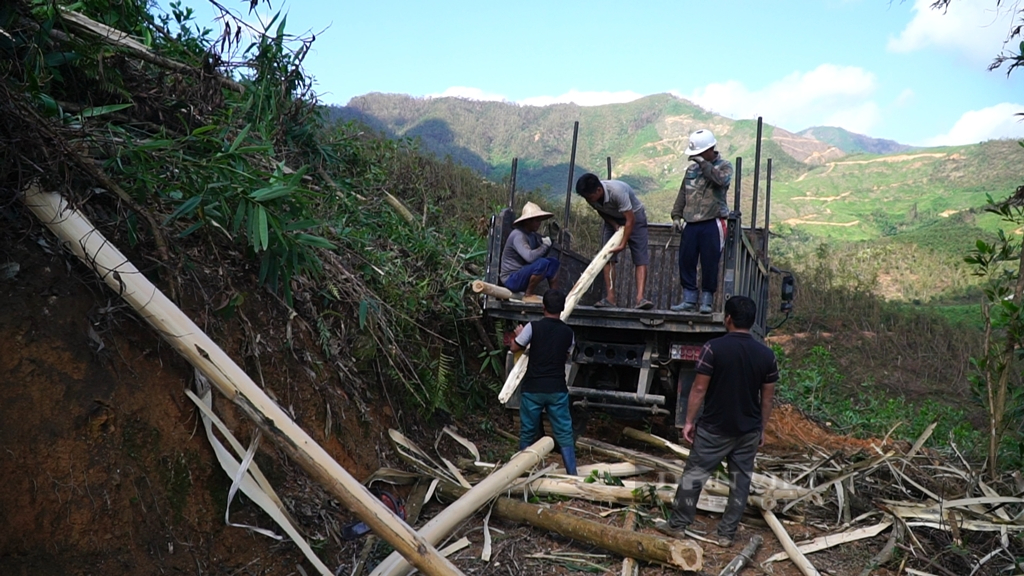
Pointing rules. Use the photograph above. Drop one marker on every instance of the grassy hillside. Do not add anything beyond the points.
(645, 138)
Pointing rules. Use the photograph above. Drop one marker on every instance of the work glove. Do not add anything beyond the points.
(678, 224)
(546, 241)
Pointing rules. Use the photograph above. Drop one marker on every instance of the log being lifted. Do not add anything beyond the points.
(577, 292)
(82, 238)
(442, 524)
(681, 554)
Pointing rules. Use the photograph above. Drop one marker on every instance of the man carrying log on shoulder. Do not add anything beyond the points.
(735, 381)
(523, 264)
(543, 386)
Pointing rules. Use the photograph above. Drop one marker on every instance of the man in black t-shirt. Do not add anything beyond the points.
(735, 380)
(543, 386)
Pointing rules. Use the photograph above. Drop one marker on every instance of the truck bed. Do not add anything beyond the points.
(663, 287)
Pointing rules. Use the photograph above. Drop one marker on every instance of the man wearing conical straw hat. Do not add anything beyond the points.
(523, 264)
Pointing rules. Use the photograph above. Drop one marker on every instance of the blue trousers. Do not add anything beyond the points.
(701, 241)
(531, 405)
(546, 267)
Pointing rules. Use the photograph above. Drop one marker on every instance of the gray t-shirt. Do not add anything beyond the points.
(618, 199)
(521, 248)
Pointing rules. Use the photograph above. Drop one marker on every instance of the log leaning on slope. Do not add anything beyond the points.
(191, 342)
(441, 525)
(682, 554)
(577, 292)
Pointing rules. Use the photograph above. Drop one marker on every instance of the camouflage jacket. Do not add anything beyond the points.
(702, 195)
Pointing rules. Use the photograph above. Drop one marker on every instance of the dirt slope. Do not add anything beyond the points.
(102, 465)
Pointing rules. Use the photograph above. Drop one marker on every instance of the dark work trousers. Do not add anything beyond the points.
(701, 240)
(707, 453)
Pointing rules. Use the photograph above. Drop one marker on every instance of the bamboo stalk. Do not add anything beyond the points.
(493, 290)
(830, 540)
(471, 501)
(580, 288)
(123, 40)
(191, 342)
(400, 208)
(802, 563)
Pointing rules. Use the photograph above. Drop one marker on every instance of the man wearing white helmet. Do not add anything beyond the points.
(699, 214)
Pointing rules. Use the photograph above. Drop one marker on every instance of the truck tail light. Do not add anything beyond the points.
(687, 352)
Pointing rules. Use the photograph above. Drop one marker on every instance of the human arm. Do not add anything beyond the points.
(680, 204)
(523, 335)
(720, 175)
(521, 244)
(697, 393)
(767, 401)
(627, 231)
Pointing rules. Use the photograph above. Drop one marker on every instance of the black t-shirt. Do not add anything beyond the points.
(550, 343)
(738, 366)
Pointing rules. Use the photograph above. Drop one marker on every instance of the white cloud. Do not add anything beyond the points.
(828, 95)
(990, 123)
(583, 98)
(905, 97)
(975, 28)
(468, 93)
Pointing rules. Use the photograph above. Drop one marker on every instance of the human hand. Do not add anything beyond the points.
(519, 330)
(698, 159)
(678, 224)
(618, 248)
(761, 444)
(546, 241)
(688, 430)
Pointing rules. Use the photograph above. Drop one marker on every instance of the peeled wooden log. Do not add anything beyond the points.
(776, 488)
(682, 554)
(577, 292)
(629, 493)
(746, 555)
(712, 486)
(441, 525)
(799, 560)
(493, 290)
(79, 235)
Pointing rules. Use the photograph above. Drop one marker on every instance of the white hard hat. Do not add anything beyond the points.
(700, 141)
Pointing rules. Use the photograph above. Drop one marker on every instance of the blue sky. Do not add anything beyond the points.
(892, 70)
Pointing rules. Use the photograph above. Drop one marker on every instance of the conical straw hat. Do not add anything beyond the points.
(531, 210)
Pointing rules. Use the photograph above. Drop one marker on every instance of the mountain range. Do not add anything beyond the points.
(826, 181)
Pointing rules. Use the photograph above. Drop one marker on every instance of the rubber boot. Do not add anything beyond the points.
(707, 299)
(569, 458)
(689, 303)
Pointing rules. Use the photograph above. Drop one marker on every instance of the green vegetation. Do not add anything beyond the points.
(237, 184)
(818, 387)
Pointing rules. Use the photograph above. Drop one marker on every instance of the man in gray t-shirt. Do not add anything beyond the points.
(619, 207)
